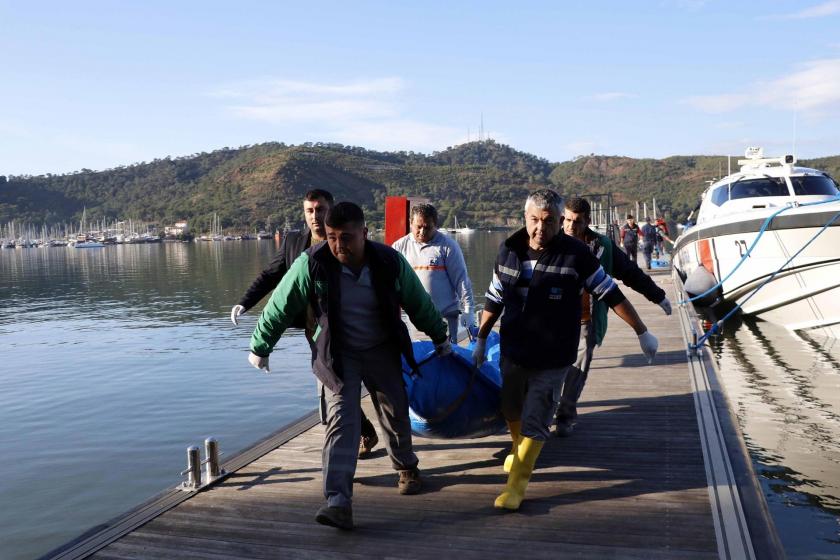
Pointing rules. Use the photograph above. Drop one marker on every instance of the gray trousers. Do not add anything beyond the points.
(380, 370)
(531, 395)
(576, 378)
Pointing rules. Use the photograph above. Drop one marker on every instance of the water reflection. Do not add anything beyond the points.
(785, 388)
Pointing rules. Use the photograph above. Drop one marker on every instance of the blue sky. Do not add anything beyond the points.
(101, 84)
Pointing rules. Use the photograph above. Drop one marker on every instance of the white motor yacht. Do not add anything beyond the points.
(767, 238)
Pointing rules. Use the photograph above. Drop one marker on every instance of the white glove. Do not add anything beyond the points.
(665, 305)
(235, 313)
(649, 345)
(468, 320)
(479, 352)
(259, 362)
(444, 348)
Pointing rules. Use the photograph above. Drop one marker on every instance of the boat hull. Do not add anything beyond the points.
(805, 295)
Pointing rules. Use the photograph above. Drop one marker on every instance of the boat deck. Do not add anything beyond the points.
(635, 480)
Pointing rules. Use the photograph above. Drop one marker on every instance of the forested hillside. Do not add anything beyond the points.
(483, 183)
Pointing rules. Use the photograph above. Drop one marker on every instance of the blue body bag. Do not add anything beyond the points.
(450, 399)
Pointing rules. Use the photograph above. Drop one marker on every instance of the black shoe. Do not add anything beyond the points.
(366, 445)
(334, 516)
(409, 482)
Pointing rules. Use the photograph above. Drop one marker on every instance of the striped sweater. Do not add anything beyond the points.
(541, 297)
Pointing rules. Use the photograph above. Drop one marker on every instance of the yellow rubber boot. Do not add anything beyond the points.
(515, 428)
(520, 473)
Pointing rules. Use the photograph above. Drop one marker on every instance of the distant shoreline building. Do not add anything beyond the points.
(179, 228)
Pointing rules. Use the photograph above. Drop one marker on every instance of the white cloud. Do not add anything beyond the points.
(814, 88)
(368, 113)
(820, 10)
(290, 109)
(278, 101)
(721, 103)
(268, 89)
(403, 134)
(612, 96)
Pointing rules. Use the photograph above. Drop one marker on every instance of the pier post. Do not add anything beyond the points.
(211, 454)
(193, 471)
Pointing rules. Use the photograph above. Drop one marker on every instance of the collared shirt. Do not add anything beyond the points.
(361, 317)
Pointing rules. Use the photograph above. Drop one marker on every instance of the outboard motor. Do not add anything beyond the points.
(699, 282)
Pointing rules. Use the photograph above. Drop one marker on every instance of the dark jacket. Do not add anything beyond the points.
(543, 330)
(649, 235)
(620, 267)
(293, 245)
(630, 235)
(314, 281)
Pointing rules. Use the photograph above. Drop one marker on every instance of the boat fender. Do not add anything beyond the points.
(700, 281)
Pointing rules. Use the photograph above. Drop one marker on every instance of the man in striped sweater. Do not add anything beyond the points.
(538, 279)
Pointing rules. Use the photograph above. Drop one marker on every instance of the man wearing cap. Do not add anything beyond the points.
(355, 289)
(537, 281)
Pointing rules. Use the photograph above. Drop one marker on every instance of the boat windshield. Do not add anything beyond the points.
(814, 184)
(755, 188)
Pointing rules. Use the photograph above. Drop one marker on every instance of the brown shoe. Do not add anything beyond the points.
(409, 482)
(366, 445)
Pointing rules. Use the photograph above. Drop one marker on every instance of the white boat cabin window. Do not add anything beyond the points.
(720, 195)
(755, 188)
(814, 184)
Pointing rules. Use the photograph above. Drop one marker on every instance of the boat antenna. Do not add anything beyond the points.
(795, 112)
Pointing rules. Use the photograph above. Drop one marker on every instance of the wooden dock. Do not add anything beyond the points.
(641, 477)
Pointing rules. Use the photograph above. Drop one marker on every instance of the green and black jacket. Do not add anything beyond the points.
(314, 281)
(620, 267)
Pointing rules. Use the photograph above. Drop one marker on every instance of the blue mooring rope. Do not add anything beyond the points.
(719, 324)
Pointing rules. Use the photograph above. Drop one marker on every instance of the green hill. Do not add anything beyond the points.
(484, 183)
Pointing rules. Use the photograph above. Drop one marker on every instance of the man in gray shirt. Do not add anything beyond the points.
(439, 263)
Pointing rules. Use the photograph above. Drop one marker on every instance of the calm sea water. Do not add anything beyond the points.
(785, 388)
(114, 360)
